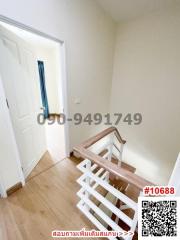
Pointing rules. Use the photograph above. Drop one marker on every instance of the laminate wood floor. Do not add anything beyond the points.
(44, 164)
(46, 203)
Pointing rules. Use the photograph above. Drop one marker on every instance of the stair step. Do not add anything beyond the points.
(123, 164)
(100, 190)
(117, 182)
(113, 200)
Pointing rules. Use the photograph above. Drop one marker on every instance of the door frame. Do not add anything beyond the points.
(63, 79)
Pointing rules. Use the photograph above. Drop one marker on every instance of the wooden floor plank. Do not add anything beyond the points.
(44, 164)
(47, 202)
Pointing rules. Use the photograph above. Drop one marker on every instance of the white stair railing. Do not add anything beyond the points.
(114, 149)
(96, 169)
(91, 210)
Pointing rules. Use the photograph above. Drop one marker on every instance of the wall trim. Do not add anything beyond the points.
(28, 28)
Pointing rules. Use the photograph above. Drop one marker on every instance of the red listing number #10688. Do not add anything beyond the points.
(158, 190)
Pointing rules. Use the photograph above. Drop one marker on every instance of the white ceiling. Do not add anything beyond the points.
(123, 10)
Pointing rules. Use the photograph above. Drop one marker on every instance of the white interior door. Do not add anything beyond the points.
(19, 70)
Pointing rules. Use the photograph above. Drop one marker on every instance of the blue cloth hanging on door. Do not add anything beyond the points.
(43, 89)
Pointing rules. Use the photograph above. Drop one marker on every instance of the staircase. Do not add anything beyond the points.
(109, 186)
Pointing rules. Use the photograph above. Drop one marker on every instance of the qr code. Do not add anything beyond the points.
(158, 217)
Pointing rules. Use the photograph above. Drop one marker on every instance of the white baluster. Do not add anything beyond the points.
(88, 169)
(111, 147)
(120, 154)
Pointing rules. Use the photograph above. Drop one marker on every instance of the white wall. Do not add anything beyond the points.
(146, 79)
(89, 34)
(175, 177)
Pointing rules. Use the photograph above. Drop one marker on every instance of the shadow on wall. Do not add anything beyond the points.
(147, 167)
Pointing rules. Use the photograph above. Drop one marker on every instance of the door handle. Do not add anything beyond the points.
(42, 108)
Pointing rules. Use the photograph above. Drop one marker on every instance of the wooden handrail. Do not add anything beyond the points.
(101, 135)
(125, 175)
